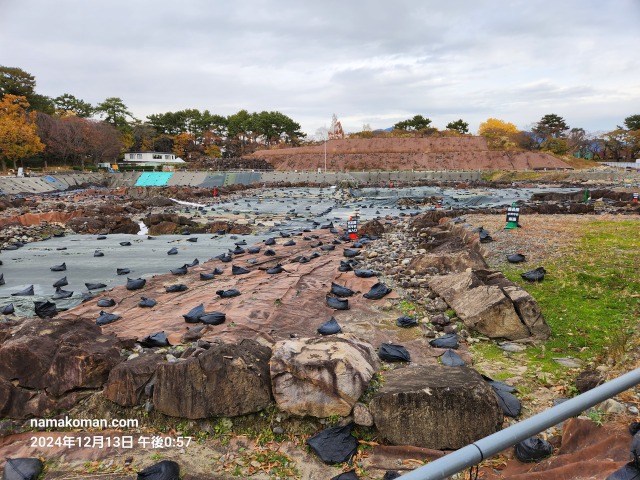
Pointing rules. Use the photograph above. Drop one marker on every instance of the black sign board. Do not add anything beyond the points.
(352, 226)
(513, 214)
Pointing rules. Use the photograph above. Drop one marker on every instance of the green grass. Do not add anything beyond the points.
(590, 297)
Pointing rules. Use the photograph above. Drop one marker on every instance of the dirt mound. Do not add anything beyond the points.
(460, 153)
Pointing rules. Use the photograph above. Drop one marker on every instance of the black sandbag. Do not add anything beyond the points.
(193, 264)
(303, 259)
(61, 283)
(224, 257)
(345, 267)
(275, 270)
(337, 303)
(1, 278)
(60, 294)
(378, 291)
(235, 270)
(485, 237)
(314, 255)
(172, 251)
(516, 258)
(329, 327)
(269, 253)
(94, 286)
(22, 469)
(125, 244)
(449, 340)
(536, 275)
(218, 271)
(105, 318)
(393, 353)
(106, 302)
(253, 250)
(334, 445)
(326, 226)
(390, 475)
(98, 253)
(451, 359)
(350, 253)
(86, 296)
(193, 315)
(164, 470)
(213, 318)
(237, 251)
(158, 339)
(180, 270)
(630, 471)
(101, 237)
(177, 287)
(7, 309)
(340, 291)
(350, 475)
(228, 293)
(192, 239)
(406, 321)
(634, 427)
(147, 302)
(241, 242)
(532, 449)
(270, 241)
(58, 234)
(59, 268)
(327, 248)
(290, 243)
(135, 284)
(508, 402)
(24, 293)
(207, 276)
(365, 273)
(45, 309)
(122, 271)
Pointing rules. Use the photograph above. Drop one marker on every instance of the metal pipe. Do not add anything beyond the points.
(487, 447)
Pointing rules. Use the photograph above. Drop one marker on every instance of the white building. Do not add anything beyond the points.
(151, 158)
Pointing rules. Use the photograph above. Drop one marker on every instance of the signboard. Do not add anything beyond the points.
(513, 214)
(352, 225)
(635, 197)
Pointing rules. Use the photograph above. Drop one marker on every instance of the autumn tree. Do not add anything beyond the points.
(18, 136)
(15, 81)
(499, 134)
(459, 126)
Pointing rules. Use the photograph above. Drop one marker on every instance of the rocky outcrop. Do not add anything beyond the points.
(371, 228)
(435, 407)
(321, 376)
(106, 224)
(491, 304)
(226, 380)
(128, 380)
(46, 362)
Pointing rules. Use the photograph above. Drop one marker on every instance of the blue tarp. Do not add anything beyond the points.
(153, 179)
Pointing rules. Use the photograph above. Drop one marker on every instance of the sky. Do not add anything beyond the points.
(370, 62)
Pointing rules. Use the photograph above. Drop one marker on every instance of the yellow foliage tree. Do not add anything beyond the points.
(18, 137)
(499, 134)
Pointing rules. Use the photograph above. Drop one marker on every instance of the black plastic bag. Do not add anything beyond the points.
(334, 445)
(327, 248)
(350, 253)
(406, 321)
(176, 287)
(218, 271)
(237, 251)
(235, 270)
(269, 253)
(290, 243)
(125, 244)
(533, 449)
(536, 275)
(228, 293)
(345, 267)
(180, 270)
(7, 309)
(164, 470)
(135, 284)
(329, 327)
(158, 339)
(59, 268)
(98, 253)
(104, 318)
(390, 475)
(451, 359)
(207, 276)
(192, 239)
(101, 237)
(340, 291)
(350, 475)
(213, 318)
(485, 237)
(509, 403)
(393, 353)
(193, 316)
(60, 294)
(224, 257)
(253, 250)
(516, 258)
(450, 340)
(270, 241)
(24, 293)
(378, 291)
(122, 271)
(172, 251)
(45, 309)
(147, 302)
(337, 303)
(22, 469)
(275, 270)
(1, 278)
(629, 472)
(365, 273)
(61, 283)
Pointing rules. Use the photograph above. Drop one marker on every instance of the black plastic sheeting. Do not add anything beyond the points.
(406, 321)
(341, 291)
(451, 359)
(378, 291)
(24, 293)
(449, 340)
(532, 449)
(158, 339)
(147, 302)
(330, 327)
(22, 469)
(337, 303)
(45, 309)
(536, 275)
(164, 470)
(334, 445)
(393, 353)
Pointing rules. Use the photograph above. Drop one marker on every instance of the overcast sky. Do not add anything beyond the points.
(370, 62)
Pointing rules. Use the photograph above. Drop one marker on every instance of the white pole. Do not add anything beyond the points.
(325, 155)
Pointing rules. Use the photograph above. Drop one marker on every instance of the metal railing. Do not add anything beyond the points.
(487, 447)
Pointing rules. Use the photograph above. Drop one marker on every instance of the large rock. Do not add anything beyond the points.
(321, 376)
(490, 304)
(127, 381)
(226, 380)
(435, 407)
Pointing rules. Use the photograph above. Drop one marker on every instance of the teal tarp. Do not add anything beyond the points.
(153, 179)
